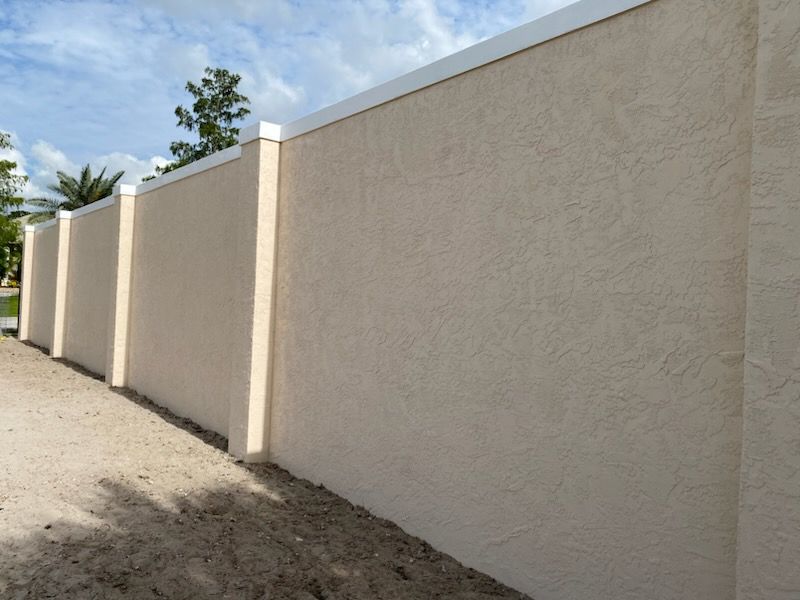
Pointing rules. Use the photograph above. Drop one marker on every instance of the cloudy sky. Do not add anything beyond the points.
(98, 81)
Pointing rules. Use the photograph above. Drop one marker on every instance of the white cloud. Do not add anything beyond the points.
(14, 154)
(100, 79)
(50, 159)
(134, 168)
(43, 160)
(438, 37)
(536, 8)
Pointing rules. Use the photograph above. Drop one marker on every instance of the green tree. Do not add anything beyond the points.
(10, 209)
(74, 192)
(217, 105)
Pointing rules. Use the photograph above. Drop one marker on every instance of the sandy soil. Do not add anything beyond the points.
(104, 495)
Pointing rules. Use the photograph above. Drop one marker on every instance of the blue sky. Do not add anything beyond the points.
(98, 81)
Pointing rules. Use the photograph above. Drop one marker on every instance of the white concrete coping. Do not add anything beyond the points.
(40, 226)
(124, 189)
(262, 130)
(570, 18)
(205, 163)
(575, 16)
(83, 210)
(90, 208)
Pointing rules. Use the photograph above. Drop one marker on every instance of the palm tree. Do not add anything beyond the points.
(74, 192)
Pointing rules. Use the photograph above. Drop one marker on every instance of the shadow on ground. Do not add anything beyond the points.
(209, 437)
(272, 537)
(288, 540)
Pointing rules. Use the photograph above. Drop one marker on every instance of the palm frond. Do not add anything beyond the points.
(84, 190)
(47, 208)
(45, 203)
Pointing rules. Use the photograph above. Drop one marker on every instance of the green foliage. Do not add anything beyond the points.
(10, 203)
(218, 104)
(74, 192)
(10, 247)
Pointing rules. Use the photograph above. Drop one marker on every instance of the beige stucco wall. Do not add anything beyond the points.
(254, 302)
(183, 294)
(539, 314)
(511, 307)
(91, 273)
(43, 288)
(769, 519)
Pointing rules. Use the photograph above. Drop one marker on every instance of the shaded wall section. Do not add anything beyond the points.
(43, 286)
(511, 307)
(769, 517)
(183, 294)
(89, 287)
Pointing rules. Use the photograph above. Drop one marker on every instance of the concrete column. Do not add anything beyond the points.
(768, 542)
(250, 399)
(28, 240)
(119, 311)
(64, 224)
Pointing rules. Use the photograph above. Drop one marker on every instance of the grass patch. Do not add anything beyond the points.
(9, 306)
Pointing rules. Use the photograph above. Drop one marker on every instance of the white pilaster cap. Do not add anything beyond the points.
(124, 189)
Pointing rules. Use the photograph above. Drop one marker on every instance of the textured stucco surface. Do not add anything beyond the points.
(539, 314)
(120, 292)
(27, 276)
(183, 295)
(511, 307)
(91, 273)
(64, 225)
(248, 421)
(769, 518)
(43, 290)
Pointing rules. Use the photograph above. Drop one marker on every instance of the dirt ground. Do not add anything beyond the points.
(105, 495)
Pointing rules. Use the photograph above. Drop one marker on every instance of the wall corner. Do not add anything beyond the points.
(64, 226)
(119, 307)
(768, 528)
(251, 398)
(28, 241)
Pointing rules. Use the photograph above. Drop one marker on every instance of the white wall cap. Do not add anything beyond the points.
(90, 208)
(124, 189)
(45, 225)
(262, 130)
(29, 228)
(66, 215)
(575, 16)
(213, 160)
(570, 18)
